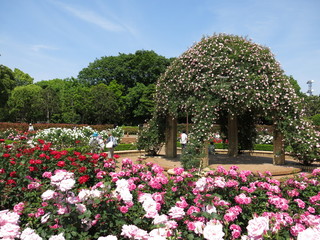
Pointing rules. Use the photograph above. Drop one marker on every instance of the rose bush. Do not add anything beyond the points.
(51, 194)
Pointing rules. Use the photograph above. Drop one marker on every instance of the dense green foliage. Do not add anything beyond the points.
(111, 90)
(127, 69)
(152, 136)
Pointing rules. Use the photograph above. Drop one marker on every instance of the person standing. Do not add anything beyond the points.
(183, 140)
(111, 143)
(31, 128)
(94, 142)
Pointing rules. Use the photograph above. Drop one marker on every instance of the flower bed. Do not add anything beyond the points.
(51, 194)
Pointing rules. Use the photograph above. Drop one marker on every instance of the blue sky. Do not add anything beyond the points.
(58, 38)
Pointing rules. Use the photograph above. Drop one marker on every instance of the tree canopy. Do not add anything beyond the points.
(127, 69)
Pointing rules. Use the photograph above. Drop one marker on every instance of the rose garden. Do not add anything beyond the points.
(53, 187)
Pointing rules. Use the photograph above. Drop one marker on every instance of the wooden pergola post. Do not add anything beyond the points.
(205, 159)
(278, 148)
(233, 135)
(171, 137)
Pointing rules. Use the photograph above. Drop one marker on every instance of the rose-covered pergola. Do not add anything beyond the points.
(232, 76)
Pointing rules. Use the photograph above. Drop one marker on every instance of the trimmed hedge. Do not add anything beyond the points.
(125, 146)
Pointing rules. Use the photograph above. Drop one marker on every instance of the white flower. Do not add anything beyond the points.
(57, 237)
(47, 195)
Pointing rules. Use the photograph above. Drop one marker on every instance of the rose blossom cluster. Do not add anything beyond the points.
(146, 204)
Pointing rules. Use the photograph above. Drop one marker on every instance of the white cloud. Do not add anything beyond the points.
(93, 18)
(38, 47)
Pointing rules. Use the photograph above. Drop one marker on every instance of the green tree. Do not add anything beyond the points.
(104, 105)
(25, 103)
(22, 78)
(312, 105)
(127, 69)
(7, 84)
(139, 103)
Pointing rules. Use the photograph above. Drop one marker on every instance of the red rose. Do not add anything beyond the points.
(40, 141)
(76, 153)
(32, 161)
(83, 179)
(61, 164)
(13, 174)
(11, 182)
(82, 169)
(38, 161)
(33, 169)
(6, 155)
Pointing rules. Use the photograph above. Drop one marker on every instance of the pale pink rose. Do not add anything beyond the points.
(96, 193)
(201, 184)
(7, 216)
(257, 226)
(309, 234)
(160, 219)
(81, 207)
(219, 182)
(57, 237)
(171, 224)
(47, 195)
(84, 195)
(176, 212)
(132, 231)
(158, 233)
(109, 237)
(45, 218)
(150, 206)
(126, 195)
(209, 209)
(29, 234)
(66, 185)
(9, 231)
(62, 209)
(213, 230)
(198, 227)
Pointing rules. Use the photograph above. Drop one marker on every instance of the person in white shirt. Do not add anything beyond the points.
(30, 127)
(183, 140)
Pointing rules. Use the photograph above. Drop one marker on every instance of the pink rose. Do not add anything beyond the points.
(176, 212)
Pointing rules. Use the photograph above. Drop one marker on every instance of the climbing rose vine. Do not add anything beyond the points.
(228, 74)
